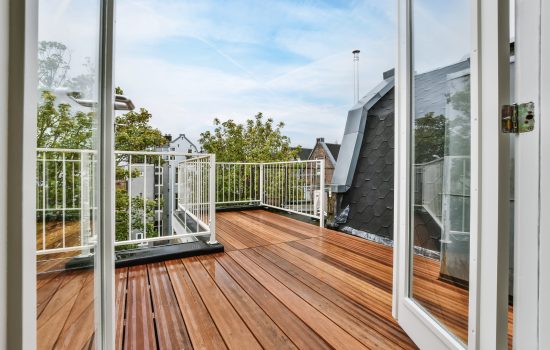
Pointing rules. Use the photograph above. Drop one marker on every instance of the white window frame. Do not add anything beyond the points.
(489, 202)
(532, 181)
(19, 152)
(18, 70)
(544, 306)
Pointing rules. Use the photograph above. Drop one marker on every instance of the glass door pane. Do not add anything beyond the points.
(67, 169)
(440, 127)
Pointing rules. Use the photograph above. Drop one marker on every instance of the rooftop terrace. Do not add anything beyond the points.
(280, 284)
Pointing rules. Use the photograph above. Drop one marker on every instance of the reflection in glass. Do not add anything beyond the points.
(66, 171)
(440, 226)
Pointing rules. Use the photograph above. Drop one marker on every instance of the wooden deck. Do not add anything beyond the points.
(281, 284)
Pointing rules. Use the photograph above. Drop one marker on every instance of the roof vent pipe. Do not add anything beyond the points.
(355, 75)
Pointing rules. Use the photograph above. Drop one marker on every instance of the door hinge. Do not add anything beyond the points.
(518, 118)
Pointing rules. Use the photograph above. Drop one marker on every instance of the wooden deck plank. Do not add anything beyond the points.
(374, 273)
(362, 332)
(121, 282)
(232, 328)
(200, 326)
(170, 328)
(265, 232)
(297, 233)
(281, 220)
(52, 320)
(387, 328)
(226, 245)
(282, 284)
(246, 236)
(351, 290)
(300, 334)
(264, 329)
(79, 328)
(380, 297)
(224, 235)
(47, 287)
(323, 326)
(140, 325)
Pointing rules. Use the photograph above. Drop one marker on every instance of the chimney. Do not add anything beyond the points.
(355, 75)
(320, 139)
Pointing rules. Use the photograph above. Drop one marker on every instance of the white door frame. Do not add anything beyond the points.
(18, 65)
(18, 248)
(105, 254)
(489, 200)
(532, 182)
(544, 306)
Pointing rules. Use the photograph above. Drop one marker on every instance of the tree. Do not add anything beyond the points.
(54, 61)
(134, 132)
(59, 127)
(254, 141)
(429, 137)
(257, 140)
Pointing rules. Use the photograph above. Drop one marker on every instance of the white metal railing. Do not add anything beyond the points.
(294, 186)
(429, 187)
(442, 188)
(238, 183)
(196, 200)
(65, 203)
(162, 195)
(153, 186)
(147, 191)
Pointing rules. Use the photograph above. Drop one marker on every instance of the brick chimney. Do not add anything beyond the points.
(320, 139)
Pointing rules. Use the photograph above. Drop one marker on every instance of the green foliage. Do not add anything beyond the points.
(254, 141)
(58, 127)
(429, 137)
(133, 132)
(122, 220)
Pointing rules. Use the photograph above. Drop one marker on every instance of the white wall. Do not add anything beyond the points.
(4, 26)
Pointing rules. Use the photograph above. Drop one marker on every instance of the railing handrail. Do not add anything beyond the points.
(290, 186)
(266, 163)
(283, 185)
(161, 153)
(65, 150)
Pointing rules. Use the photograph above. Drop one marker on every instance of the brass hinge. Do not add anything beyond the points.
(518, 118)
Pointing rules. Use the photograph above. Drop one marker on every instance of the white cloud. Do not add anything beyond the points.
(312, 98)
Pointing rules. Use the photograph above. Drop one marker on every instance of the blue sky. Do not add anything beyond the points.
(189, 62)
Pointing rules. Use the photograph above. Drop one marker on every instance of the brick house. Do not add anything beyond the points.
(329, 152)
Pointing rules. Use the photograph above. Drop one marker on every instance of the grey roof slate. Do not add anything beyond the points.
(365, 167)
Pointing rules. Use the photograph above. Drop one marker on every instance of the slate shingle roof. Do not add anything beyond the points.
(371, 194)
(334, 149)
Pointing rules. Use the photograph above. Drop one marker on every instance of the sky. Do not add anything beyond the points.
(189, 62)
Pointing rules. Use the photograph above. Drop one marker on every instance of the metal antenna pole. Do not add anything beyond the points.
(355, 75)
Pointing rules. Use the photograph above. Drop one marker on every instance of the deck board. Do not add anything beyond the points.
(140, 326)
(281, 284)
(170, 327)
(264, 329)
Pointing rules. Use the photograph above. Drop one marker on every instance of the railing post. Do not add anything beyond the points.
(322, 194)
(85, 222)
(212, 199)
(261, 183)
